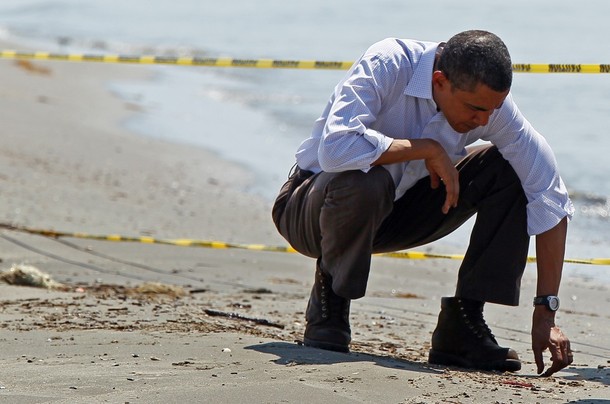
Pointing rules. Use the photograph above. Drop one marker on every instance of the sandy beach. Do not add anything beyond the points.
(151, 323)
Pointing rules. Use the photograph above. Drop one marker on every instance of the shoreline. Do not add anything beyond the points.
(80, 128)
(66, 163)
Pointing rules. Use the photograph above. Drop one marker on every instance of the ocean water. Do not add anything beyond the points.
(257, 117)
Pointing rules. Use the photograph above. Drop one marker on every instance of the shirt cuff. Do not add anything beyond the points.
(381, 142)
(543, 214)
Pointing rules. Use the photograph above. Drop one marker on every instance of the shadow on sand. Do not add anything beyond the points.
(296, 354)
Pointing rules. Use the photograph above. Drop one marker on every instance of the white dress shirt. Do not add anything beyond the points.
(387, 94)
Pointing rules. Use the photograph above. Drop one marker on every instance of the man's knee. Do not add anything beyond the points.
(487, 167)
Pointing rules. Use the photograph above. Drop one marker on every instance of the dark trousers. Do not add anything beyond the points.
(343, 218)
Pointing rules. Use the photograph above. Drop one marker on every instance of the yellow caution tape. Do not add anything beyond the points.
(254, 247)
(182, 61)
(421, 255)
(266, 63)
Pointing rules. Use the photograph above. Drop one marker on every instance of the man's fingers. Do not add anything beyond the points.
(570, 355)
(557, 344)
(450, 201)
(567, 351)
(566, 355)
(539, 360)
(434, 180)
(446, 206)
(549, 372)
(450, 178)
(555, 367)
(452, 187)
(454, 191)
(561, 358)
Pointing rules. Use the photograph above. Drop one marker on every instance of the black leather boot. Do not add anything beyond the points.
(327, 317)
(462, 338)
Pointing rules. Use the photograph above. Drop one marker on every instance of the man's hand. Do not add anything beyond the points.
(550, 248)
(442, 169)
(546, 335)
(437, 161)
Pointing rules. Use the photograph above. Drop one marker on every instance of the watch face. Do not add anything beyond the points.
(553, 302)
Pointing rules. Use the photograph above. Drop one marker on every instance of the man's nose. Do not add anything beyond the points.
(481, 117)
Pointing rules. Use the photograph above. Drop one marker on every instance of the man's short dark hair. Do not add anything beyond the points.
(473, 57)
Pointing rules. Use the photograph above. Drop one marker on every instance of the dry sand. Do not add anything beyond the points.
(149, 323)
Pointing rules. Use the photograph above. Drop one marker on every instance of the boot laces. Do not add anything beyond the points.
(324, 289)
(328, 298)
(473, 318)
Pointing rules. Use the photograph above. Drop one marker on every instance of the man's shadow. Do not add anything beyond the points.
(297, 354)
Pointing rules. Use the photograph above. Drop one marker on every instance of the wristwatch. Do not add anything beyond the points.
(551, 302)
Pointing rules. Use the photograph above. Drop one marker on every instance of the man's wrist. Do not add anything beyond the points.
(543, 316)
(550, 302)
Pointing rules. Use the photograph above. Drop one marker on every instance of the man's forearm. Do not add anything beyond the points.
(550, 252)
(409, 149)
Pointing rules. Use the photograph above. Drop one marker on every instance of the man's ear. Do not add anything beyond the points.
(439, 79)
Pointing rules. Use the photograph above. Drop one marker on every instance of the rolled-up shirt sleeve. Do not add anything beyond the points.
(531, 157)
(348, 141)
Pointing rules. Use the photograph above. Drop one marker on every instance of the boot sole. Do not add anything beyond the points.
(446, 359)
(329, 346)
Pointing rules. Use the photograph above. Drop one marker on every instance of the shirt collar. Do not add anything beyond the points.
(420, 84)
